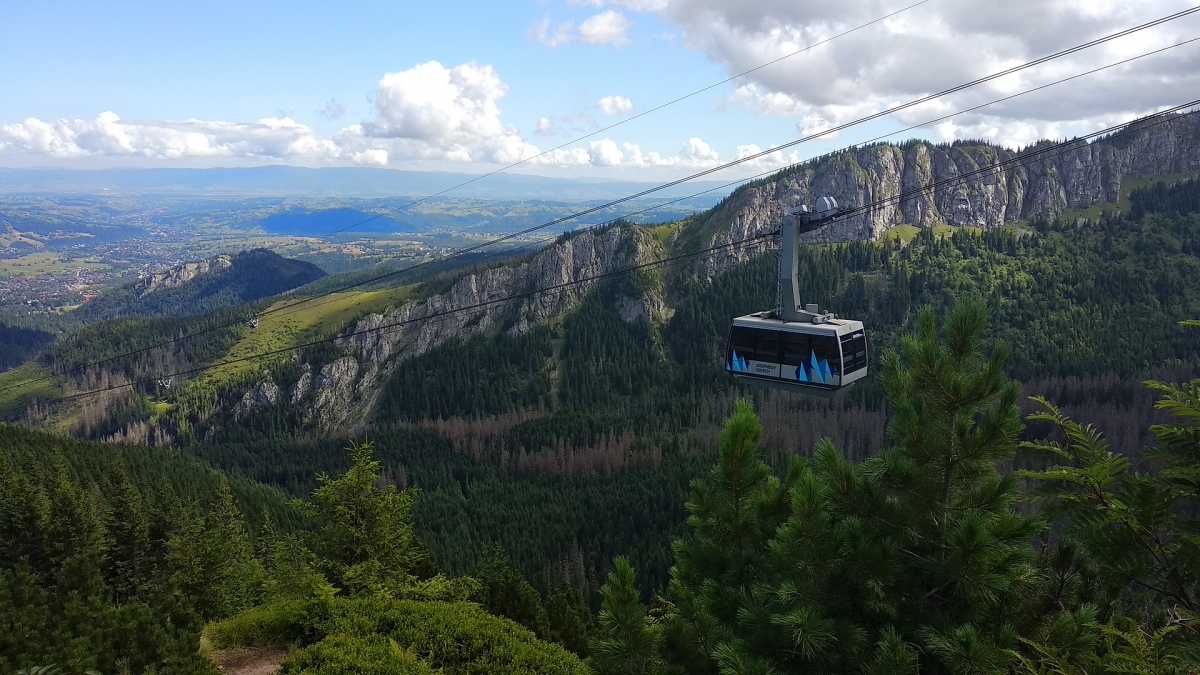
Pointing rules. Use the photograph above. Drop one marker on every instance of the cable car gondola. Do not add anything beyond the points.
(793, 347)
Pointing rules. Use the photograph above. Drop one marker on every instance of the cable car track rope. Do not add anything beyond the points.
(1036, 155)
(296, 306)
(656, 108)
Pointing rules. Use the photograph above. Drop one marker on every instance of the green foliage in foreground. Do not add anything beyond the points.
(341, 635)
(106, 565)
(917, 561)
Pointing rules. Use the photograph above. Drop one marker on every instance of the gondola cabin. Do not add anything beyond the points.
(817, 358)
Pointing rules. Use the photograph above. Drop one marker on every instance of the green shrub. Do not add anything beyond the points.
(352, 655)
(347, 635)
(275, 624)
(458, 637)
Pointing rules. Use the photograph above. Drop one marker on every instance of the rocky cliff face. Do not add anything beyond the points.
(477, 303)
(1045, 187)
(181, 274)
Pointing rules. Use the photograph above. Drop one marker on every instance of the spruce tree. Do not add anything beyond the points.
(571, 623)
(504, 592)
(366, 543)
(128, 563)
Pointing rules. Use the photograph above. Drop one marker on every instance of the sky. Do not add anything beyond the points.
(469, 86)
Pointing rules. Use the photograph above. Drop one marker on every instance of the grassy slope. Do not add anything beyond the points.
(301, 323)
(17, 396)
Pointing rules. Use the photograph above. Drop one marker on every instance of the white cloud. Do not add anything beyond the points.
(698, 152)
(433, 112)
(427, 113)
(108, 134)
(606, 153)
(695, 154)
(771, 160)
(606, 28)
(933, 47)
(560, 35)
(371, 157)
(614, 106)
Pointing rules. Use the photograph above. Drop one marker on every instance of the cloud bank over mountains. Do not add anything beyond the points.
(434, 113)
(428, 112)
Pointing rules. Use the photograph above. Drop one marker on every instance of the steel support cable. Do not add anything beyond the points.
(609, 204)
(430, 317)
(804, 139)
(614, 125)
(1056, 149)
(924, 124)
(893, 133)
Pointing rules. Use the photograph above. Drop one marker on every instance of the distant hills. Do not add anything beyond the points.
(327, 182)
(194, 288)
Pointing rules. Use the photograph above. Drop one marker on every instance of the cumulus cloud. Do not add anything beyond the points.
(614, 106)
(108, 134)
(935, 46)
(609, 27)
(433, 112)
(427, 112)
(605, 28)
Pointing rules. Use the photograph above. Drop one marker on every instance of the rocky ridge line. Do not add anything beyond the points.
(1044, 188)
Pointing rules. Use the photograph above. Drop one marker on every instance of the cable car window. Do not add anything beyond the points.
(796, 348)
(825, 354)
(744, 339)
(742, 342)
(854, 351)
(768, 346)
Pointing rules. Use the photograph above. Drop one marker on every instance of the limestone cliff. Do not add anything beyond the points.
(1044, 187)
(181, 274)
(479, 302)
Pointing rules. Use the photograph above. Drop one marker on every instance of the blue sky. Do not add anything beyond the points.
(236, 66)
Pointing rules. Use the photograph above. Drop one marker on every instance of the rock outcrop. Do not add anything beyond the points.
(1042, 187)
(181, 274)
(476, 303)
(265, 393)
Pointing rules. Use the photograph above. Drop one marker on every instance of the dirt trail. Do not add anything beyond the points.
(264, 661)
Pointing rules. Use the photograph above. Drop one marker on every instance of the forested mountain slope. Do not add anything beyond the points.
(510, 407)
(563, 429)
(574, 440)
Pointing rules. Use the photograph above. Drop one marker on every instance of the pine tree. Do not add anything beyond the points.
(627, 643)
(733, 517)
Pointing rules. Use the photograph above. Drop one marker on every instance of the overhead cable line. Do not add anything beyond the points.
(296, 305)
(634, 117)
(804, 139)
(917, 126)
(1038, 154)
